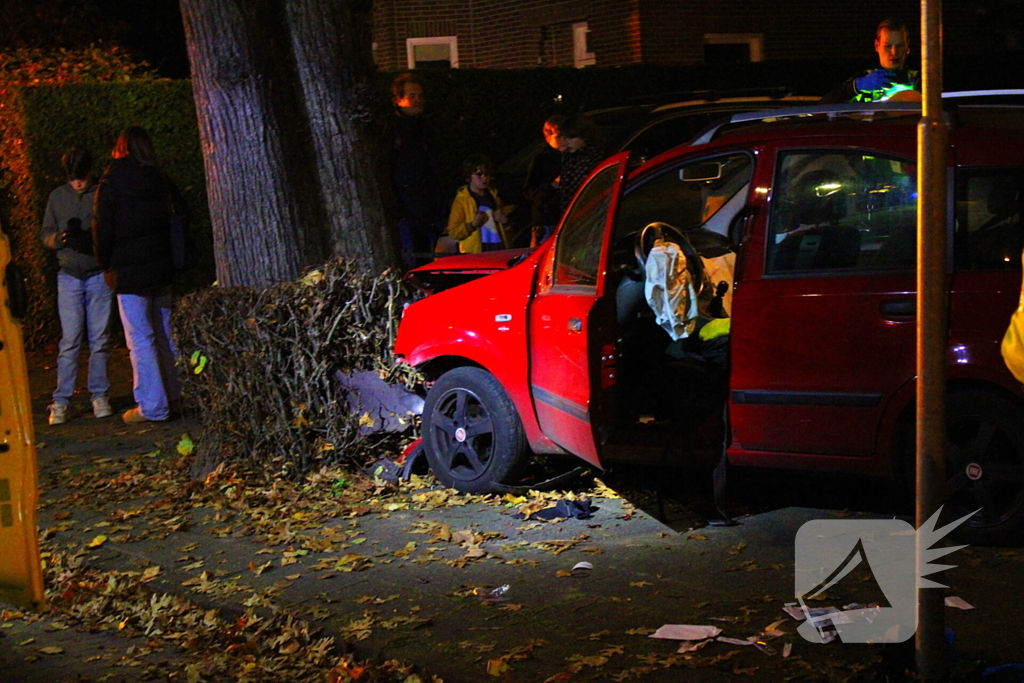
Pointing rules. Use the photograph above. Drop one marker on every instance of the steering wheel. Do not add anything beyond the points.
(653, 231)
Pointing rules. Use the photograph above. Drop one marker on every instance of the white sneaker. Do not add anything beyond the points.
(101, 407)
(58, 413)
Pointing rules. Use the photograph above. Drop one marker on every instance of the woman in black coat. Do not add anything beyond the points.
(131, 238)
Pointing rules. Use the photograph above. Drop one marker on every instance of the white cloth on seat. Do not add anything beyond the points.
(670, 290)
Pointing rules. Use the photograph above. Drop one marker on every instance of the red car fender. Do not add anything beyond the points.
(483, 322)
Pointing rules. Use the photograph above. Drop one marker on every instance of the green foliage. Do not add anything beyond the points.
(42, 121)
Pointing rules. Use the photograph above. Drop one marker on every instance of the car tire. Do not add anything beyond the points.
(472, 434)
(984, 467)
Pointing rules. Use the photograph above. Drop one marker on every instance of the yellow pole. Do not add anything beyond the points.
(931, 328)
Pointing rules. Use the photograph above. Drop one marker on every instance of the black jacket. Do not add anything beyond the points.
(131, 227)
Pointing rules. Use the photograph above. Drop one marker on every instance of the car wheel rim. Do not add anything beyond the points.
(463, 434)
(985, 470)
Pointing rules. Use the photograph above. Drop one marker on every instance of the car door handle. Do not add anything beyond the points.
(899, 310)
(575, 325)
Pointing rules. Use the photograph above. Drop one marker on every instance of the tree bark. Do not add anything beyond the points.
(266, 216)
(282, 90)
(331, 43)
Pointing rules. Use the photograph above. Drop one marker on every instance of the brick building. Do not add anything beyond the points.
(489, 34)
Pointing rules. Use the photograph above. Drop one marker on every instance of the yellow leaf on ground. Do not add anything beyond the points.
(640, 584)
(496, 667)
(150, 573)
(51, 650)
(97, 542)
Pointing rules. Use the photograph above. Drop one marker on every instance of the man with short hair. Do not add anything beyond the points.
(892, 44)
(419, 199)
(83, 298)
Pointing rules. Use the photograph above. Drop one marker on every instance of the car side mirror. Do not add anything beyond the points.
(700, 173)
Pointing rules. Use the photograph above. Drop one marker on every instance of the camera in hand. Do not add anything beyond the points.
(76, 237)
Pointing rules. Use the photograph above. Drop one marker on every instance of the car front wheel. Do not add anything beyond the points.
(472, 434)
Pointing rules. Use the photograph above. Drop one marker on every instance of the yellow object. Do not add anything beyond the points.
(460, 221)
(1013, 340)
(719, 327)
(21, 577)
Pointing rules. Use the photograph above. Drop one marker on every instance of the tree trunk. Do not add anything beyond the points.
(267, 218)
(331, 43)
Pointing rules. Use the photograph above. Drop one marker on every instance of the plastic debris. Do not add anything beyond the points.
(691, 645)
(959, 603)
(686, 632)
(582, 568)
(1005, 673)
(733, 641)
(564, 509)
(787, 650)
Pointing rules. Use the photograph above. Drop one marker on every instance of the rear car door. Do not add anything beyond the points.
(823, 336)
(21, 580)
(572, 321)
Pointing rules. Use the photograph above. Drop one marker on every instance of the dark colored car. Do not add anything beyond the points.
(809, 219)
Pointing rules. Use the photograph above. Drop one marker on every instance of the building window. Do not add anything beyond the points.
(582, 56)
(731, 48)
(438, 52)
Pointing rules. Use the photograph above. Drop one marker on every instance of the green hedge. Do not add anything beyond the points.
(43, 121)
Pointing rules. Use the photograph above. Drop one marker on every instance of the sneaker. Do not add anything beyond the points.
(58, 413)
(101, 407)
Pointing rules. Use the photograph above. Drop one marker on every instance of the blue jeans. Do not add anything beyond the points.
(84, 308)
(147, 329)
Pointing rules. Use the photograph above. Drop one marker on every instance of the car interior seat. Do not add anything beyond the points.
(816, 240)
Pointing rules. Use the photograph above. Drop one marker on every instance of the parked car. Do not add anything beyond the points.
(651, 126)
(808, 217)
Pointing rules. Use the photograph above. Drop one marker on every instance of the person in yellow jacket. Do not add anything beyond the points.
(478, 219)
(1013, 341)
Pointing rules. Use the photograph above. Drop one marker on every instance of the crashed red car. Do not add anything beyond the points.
(798, 235)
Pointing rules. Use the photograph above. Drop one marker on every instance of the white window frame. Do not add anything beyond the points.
(580, 56)
(754, 40)
(451, 41)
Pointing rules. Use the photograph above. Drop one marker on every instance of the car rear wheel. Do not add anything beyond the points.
(472, 433)
(984, 467)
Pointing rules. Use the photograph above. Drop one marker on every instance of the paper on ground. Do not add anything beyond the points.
(686, 632)
(958, 602)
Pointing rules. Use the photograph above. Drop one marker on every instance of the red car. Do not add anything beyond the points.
(799, 232)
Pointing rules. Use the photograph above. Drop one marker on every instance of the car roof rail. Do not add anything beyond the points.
(773, 92)
(830, 110)
(965, 97)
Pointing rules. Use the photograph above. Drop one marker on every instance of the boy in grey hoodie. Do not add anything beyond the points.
(83, 298)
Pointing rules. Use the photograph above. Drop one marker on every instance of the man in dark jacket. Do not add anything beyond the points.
(83, 298)
(419, 198)
(892, 43)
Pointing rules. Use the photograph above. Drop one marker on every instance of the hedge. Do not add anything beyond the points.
(41, 122)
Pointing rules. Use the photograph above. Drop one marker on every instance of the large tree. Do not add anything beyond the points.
(283, 96)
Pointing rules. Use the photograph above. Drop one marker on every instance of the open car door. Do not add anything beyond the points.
(572, 357)
(21, 581)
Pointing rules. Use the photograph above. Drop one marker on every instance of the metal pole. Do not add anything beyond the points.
(931, 329)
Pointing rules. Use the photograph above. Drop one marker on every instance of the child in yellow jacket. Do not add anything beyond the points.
(478, 219)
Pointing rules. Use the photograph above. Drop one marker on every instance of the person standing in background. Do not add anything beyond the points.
(131, 237)
(83, 298)
(892, 44)
(581, 153)
(541, 185)
(414, 176)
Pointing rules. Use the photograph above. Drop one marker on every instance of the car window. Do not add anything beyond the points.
(842, 211)
(988, 213)
(704, 193)
(578, 254)
(665, 134)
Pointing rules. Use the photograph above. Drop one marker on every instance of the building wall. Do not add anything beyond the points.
(528, 33)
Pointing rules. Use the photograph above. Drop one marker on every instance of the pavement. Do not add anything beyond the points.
(468, 592)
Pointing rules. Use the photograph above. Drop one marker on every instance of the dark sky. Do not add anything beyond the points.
(149, 29)
(152, 29)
